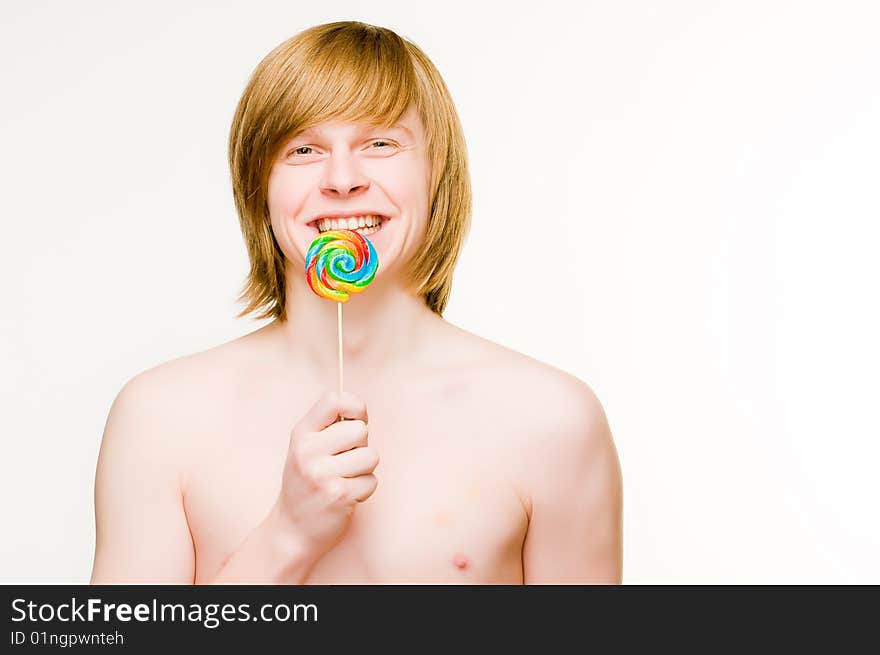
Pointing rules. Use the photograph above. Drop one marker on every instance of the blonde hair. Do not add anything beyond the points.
(348, 71)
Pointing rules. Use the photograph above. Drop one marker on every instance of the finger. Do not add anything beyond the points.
(351, 464)
(339, 437)
(361, 487)
(329, 407)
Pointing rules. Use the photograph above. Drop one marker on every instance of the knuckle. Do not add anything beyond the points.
(310, 471)
(300, 454)
(356, 403)
(330, 399)
(335, 490)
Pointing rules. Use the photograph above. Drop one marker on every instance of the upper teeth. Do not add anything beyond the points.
(352, 223)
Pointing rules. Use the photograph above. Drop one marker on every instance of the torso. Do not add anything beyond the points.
(451, 502)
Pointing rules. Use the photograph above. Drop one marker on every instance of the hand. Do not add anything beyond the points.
(329, 468)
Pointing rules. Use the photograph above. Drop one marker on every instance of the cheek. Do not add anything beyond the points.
(285, 202)
(281, 195)
(407, 187)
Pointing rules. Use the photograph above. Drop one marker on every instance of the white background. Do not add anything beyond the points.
(677, 202)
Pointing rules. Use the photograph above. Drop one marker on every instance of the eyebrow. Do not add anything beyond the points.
(396, 126)
(401, 126)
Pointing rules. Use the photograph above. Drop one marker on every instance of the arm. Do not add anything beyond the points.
(141, 532)
(575, 526)
(269, 555)
(320, 485)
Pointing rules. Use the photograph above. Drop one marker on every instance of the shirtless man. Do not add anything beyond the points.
(460, 461)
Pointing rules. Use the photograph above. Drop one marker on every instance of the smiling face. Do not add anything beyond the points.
(350, 170)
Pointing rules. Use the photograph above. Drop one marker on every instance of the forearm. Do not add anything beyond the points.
(269, 555)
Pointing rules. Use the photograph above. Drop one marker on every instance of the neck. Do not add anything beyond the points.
(382, 327)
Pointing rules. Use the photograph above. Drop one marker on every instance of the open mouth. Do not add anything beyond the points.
(363, 225)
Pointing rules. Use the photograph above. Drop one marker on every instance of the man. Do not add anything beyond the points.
(460, 461)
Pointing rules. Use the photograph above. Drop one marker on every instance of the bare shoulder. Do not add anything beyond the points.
(553, 419)
(142, 531)
(541, 395)
(566, 469)
(166, 398)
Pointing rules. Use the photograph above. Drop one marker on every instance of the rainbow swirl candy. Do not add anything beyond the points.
(339, 263)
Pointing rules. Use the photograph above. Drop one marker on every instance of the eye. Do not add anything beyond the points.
(300, 151)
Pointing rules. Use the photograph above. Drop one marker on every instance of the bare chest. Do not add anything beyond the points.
(447, 508)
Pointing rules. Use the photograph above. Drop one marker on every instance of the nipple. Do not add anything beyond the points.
(443, 519)
(460, 561)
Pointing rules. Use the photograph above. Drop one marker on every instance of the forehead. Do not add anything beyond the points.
(408, 123)
(327, 126)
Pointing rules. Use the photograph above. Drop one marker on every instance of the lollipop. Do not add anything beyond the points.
(339, 263)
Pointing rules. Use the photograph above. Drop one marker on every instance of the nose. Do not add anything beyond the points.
(343, 177)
